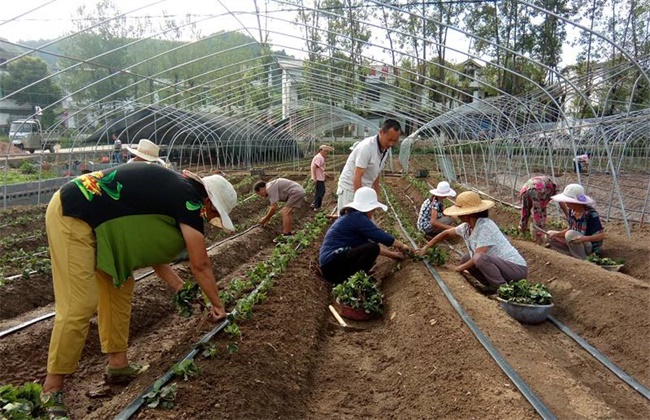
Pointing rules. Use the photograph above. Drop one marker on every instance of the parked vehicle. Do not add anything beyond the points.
(28, 135)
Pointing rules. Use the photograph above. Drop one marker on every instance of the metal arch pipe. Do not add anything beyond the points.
(517, 380)
(645, 392)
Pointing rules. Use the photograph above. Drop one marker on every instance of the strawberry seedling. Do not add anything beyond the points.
(187, 369)
(161, 396)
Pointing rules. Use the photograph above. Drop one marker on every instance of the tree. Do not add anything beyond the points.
(27, 81)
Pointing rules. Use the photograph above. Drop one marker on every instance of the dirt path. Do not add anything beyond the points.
(418, 361)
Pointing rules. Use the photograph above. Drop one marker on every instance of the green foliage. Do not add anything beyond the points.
(187, 369)
(360, 292)
(27, 80)
(161, 396)
(233, 331)
(514, 232)
(27, 168)
(436, 256)
(594, 258)
(184, 298)
(207, 349)
(22, 402)
(523, 291)
(232, 348)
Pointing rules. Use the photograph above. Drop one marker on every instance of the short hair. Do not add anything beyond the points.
(391, 123)
(259, 185)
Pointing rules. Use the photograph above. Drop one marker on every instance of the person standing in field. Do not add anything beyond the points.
(117, 149)
(535, 195)
(366, 161)
(281, 190)
(102, 226)
(318, 174)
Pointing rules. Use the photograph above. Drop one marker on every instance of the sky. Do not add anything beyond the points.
(50, 19)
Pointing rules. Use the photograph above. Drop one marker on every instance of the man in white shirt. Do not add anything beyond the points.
(366, 162)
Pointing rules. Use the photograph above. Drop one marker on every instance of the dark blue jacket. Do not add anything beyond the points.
(349, 231)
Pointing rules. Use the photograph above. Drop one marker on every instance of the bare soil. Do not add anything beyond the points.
(419, 360)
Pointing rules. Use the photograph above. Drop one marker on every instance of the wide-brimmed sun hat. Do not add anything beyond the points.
(443, 190)
(222, 195)
(574, 193)
(365, 199)
(355, 144)
(468, 202)
(146, 150)
(326, 147)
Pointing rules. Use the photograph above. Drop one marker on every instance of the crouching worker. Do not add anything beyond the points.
(352, 243)
(585, 233)
(491, 259)
(103, 225)
(431, 219)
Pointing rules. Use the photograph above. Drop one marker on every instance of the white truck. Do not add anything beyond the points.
(28, 135)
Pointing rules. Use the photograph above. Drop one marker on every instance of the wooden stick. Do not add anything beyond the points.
(337, 316)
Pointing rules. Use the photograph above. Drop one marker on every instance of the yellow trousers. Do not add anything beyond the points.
(79, 290)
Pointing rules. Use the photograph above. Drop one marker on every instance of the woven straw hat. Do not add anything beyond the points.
(468, 202)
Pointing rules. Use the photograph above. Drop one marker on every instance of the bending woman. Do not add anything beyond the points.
(352, 243)
(490, 258)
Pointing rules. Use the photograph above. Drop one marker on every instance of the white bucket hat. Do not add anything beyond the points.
(365, 199)
(222, 195)
(574, 193)
(468, 202)
(326, 147)
(146, 150)
(443, 190)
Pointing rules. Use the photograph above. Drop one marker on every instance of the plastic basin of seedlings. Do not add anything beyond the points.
(356, 314)
(615, 267)
(525, 313)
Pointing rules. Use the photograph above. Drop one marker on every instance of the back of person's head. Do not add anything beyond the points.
(391, 123)
(259, 185)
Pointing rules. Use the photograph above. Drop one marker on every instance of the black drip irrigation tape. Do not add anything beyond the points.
(138, 278)
(602, 358)
(517, 380)
(26, 324)
(136, 404)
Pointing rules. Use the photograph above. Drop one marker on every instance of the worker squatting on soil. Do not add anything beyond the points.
(103, 225)
(491, 259)
(281, 190)
(585, 233)
(352, 243)
(366, 162)
(535, 195)
(431, 219)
